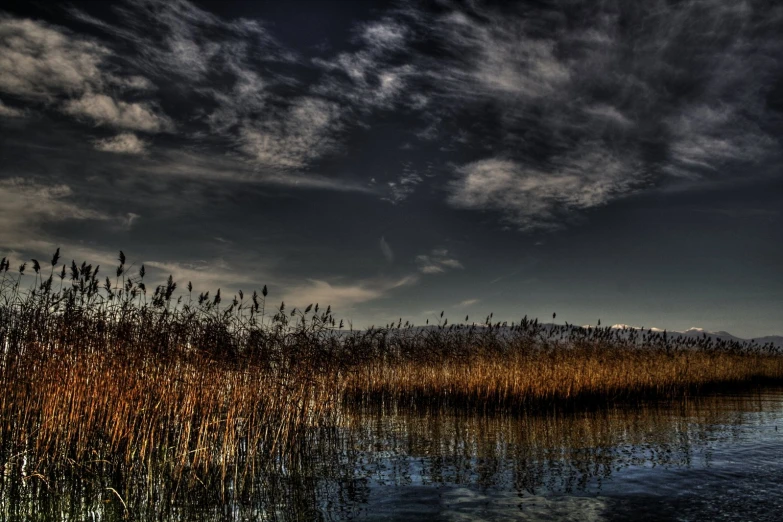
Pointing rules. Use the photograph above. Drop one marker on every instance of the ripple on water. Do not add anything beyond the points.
(707, 459)
(419, 503)
(720, 458)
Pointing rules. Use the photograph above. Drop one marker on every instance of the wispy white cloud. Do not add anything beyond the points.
(206, 276)
(400, 189)
(368, 83)
(42, 61)
(188, 41)
(437, 261)
(132, 83)
(31, 209)
(103, 109)
(532, 198)
(548, 118)
(28, 207)
(609, 113)
(386, 34)
(195, 165)
(369, 78)
(10, 112)
(550, 84)
(706, 138)
(497, 57)
(129, 219)
(336, 295)
(245, 109)
(306, 131)
(48, 64)
(125, 143)
(26, 201)
(195, 47)
(386, 250)
(342, 296)
(247, 95)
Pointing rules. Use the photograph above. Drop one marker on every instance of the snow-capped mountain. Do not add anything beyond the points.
(700, 332)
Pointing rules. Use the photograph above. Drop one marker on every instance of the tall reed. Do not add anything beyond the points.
(104, 375)
(101, 374)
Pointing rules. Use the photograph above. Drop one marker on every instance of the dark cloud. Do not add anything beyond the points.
(460, 134)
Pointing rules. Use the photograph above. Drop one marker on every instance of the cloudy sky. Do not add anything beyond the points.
(612, 160)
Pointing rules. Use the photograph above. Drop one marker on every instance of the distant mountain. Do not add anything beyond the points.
(720, 334)
(694, 332)
(774, 339)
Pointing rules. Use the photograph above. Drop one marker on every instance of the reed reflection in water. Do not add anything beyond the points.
(654, 460)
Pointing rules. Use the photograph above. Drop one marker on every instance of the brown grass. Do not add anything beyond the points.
(197, 419)
(559, 375)
(110, 377)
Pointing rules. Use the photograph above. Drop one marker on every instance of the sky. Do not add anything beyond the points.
(602, 160)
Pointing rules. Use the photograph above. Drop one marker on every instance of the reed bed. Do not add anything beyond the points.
(560, 375)
(102, 375)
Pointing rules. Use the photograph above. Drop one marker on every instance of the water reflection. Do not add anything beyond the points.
(657, 460)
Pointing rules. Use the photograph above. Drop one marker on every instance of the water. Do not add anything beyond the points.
(719, 457)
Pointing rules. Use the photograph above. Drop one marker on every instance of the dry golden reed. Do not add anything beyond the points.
(101, 374)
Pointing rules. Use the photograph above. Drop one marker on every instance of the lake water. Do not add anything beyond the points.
(717, 457)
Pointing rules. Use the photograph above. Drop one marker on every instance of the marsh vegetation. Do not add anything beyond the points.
(171, 391)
